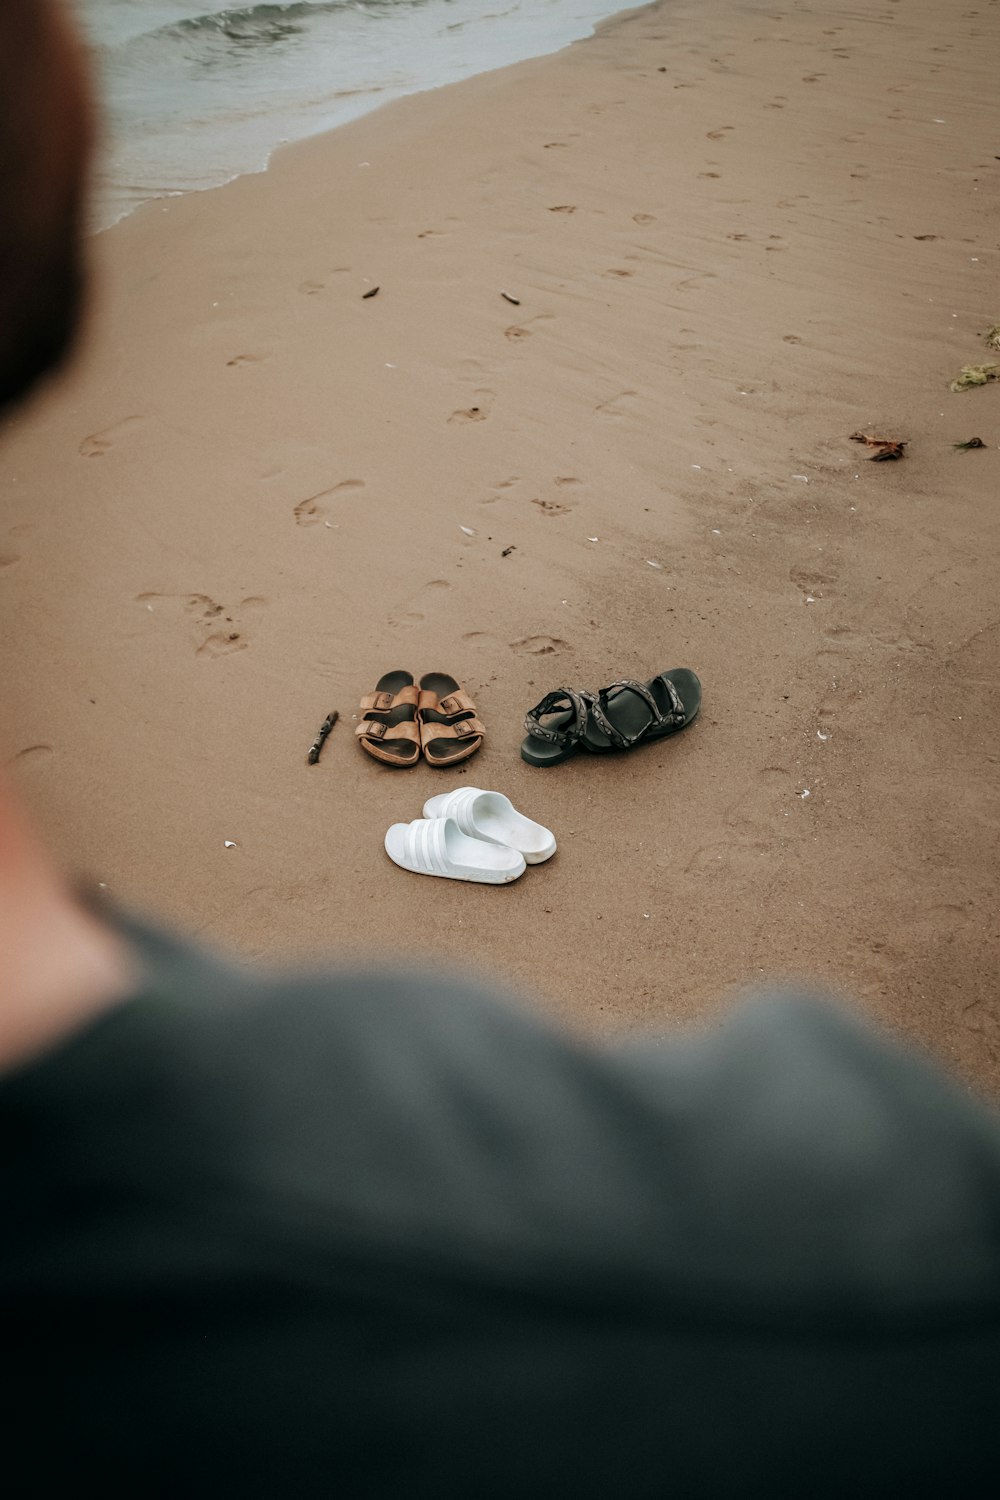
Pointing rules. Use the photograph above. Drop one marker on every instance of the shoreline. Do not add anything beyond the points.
(735, 239)
(364, 100)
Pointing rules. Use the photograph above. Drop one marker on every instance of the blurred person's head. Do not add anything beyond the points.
(57, 963)
(45, 133)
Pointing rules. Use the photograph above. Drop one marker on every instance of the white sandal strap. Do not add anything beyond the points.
(426, 845)
(463, 808)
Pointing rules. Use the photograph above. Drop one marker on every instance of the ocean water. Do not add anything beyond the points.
(196, 93)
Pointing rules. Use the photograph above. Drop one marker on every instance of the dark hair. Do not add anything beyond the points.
(45, 133)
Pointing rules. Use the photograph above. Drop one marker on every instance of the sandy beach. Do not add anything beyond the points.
(737, 234)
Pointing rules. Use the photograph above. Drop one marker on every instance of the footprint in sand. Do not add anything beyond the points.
(827, 711)
(790, 338)
(477, 412)
(483, 641)
(552, 507)
(222, 643)
(518, 331)
(720, 134)
(8, 558)
(311, 288)
(311, 510)
(741, 856)
(643, 218)
(844, 637)
(231, 636)
(501, 484)
(612, 407)
(412, 611)
(563, 208)
(538, 645)
(617, 271)
(813, 582)
(245, 359)
(219, 629)
(35, 752)
(100, 443)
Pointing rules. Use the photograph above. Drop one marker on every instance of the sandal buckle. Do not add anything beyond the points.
(376, 731)
(382, 701)
(448, 706)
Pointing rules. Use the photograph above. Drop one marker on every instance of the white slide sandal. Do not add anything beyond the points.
(437, 846)
(493, 817)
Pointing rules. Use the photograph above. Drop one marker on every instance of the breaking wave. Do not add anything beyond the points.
(253, 25)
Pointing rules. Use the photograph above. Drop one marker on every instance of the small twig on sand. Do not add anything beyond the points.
(318, 742)
(372, 293)
(508, 298)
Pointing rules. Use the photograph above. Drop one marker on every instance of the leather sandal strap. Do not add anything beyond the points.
(383, 703)
(455, 703)
(375, 729)
(449, 707)
(465, 729)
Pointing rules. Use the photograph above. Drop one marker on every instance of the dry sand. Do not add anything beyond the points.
(738, 233)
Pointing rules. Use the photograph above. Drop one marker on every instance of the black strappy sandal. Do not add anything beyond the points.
(619, 717)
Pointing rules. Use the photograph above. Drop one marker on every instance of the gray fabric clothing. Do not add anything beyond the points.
(383, 1235)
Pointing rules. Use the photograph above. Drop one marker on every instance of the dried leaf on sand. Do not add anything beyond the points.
(885, 448)
(890, 450)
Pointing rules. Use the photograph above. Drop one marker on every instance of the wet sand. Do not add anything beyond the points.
(737, 234)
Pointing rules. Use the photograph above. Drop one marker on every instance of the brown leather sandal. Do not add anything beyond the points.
(449, 728)
(389, 730)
